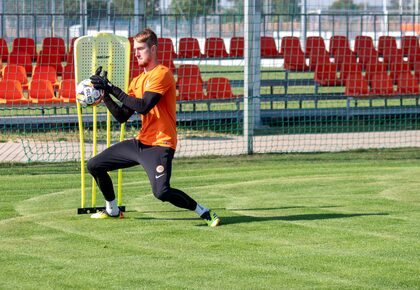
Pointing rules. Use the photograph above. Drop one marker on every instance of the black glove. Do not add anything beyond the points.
(101, 82)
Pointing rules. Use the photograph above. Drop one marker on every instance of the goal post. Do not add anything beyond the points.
(252, 71)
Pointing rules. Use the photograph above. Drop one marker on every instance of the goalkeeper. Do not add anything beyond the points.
(152, 94)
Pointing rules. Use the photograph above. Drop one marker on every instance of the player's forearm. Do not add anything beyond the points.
(140, 105)
(121, 114)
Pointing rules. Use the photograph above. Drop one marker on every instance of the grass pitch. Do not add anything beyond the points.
(343, 220)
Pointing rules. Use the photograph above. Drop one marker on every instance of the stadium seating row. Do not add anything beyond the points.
(41, 91)
(361, 70)
(326, 72)
(349, 68)
(26, 45)
(188, 47)
(381, 84)
(45, 89)
(214, 47)
(339, 49)
(53, 52)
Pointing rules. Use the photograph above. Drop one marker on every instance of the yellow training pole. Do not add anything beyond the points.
(119, 188)
(95, 150)
(82, 154)
(108, 128)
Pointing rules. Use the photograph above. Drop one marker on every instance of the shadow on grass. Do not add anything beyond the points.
(282, 207)
(236, 209)
(302, 217)
(228, 220)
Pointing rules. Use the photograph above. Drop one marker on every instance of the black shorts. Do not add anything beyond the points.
(156, 160)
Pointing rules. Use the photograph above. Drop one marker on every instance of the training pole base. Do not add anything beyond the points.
(90, 210)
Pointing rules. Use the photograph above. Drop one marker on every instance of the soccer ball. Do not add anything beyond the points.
(87, 95)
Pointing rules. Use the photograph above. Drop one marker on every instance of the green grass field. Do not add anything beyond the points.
(342, 220)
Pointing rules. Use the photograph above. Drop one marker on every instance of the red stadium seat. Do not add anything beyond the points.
(219, 88)
(387, 47)
(16, 72)
(416, 69)
(398, 67)
(374, 67)
(340, 49)
(294, 58)
(189, 71)
(269, 47)
(24, 60)
(70, 53)
(71, 46)
(131, 40)
(70, 58)
(386, 42)
(165, 59)
(414, 56)
(356, 85)
(24, 45)
(409, 43)
(410, 48)
(166, 53)
(166, 46)
(190, 88)
(408, 83)
(4, 50)
(11, 92)
(381, 84)
(68, 72)
(326, 74)
(392, 55)
(338, 42)
(365, 50)
(46, 73)
(236, 47)
(314, 42)
(348, 68)
(189, 48)
(67, 91)
(54, 45)
(42, 92)
(317, 55)
(214, 47)
(54, 60)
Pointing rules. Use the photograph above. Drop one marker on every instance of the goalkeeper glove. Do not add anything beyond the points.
(101, 82)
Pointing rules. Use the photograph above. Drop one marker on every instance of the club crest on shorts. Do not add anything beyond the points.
(160, 169)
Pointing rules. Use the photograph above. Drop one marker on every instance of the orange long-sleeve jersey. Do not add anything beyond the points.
(159, 124)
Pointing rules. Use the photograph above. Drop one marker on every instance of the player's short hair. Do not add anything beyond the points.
(148, 36)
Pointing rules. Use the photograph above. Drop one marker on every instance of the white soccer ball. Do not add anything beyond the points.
(87, 95)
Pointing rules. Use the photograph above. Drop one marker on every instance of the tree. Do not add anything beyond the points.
(344, 5)
(289, 7)
(100, 9)
(194, 8)
(394, 5)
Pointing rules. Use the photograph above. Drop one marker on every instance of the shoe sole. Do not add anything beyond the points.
(100, 217)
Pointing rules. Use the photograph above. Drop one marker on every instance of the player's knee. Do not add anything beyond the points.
(162, 195)
(92, 166)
